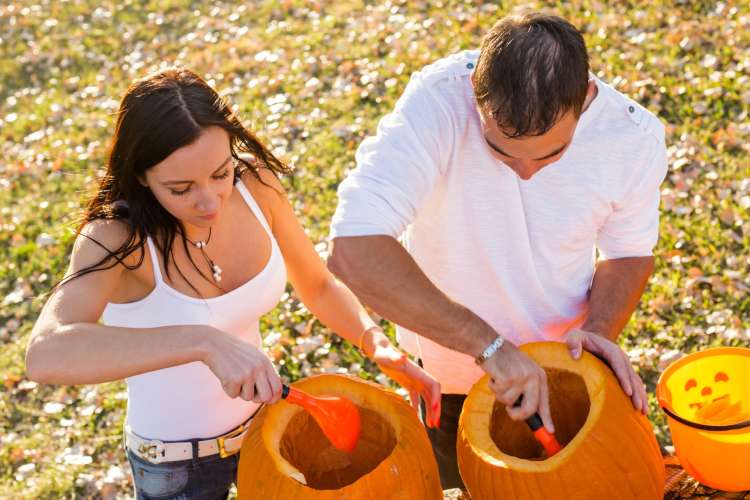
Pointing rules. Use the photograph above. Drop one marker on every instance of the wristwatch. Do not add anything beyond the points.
(490, 350)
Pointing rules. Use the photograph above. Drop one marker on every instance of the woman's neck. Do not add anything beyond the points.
(195, 233)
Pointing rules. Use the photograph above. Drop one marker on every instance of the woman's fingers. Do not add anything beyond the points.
(274, 382)
(231, 388)
(262, 389)
(244, 370)
(414, 400)
(247, 391)
(436, 397)
(418, 382)
(396, 365)
(430, 391)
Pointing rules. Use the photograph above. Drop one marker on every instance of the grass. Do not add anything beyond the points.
(312, 79)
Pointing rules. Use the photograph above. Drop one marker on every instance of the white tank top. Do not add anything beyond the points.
(187, 401)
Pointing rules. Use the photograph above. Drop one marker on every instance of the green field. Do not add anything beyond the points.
(312, 79)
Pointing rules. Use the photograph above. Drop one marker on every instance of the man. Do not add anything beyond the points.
(504, 171)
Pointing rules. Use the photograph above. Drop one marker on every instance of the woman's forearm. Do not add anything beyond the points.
(89, 353)
(338, 309)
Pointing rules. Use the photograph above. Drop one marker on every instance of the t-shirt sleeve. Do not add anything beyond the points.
(397, 168)
(632, 229)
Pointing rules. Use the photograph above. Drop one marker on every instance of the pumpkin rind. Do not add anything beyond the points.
(614, 454)
(409, 472)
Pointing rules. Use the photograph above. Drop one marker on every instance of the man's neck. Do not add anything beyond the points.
(590, 97)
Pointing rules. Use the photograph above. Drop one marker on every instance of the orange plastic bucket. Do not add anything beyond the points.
(706, 397)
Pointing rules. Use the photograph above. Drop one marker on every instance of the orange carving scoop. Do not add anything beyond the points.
(337, 417)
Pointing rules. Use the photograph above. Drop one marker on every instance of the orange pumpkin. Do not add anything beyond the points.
(609, 447)
(285, 455)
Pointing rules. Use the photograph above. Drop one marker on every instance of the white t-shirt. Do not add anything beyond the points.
(519, 254)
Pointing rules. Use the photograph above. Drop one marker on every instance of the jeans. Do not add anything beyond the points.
(443, 439)
(208, 477)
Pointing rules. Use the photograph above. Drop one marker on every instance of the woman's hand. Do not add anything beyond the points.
(243, 370)
(396, 365)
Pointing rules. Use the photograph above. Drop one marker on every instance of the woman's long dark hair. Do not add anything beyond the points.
(159, 114)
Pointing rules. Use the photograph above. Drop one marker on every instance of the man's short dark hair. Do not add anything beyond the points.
(532, 69)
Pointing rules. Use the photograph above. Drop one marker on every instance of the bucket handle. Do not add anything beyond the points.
(706, 427)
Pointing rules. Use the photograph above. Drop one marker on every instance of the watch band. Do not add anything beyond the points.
(490, 350)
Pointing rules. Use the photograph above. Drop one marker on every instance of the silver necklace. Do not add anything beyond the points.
(201, 245)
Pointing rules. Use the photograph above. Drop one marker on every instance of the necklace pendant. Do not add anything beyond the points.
(217, 272)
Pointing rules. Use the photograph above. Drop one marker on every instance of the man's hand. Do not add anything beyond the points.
(578, 340)
(514, 374)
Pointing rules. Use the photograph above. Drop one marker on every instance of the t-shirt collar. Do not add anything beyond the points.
(595, 106)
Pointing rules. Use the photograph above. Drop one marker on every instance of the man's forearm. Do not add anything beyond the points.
(615, 292)
(385, 277)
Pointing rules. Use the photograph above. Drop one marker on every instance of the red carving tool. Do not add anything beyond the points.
(337, 417)
(541, 434)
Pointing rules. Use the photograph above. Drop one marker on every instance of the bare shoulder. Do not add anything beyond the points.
(100, 238)
(264, 184)
(266, 190)
(108, 231)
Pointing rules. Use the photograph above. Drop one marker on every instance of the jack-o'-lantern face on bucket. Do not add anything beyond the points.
(713, 402)
(707, 393)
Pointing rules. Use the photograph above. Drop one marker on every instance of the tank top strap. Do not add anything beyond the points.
(254, 207)
(154, 261)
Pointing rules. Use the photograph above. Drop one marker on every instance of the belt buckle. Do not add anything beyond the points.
(223, 453)
(153, 451)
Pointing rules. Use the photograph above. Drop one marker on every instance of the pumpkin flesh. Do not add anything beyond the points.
(609, 447)
(324, 466)
(286, 456)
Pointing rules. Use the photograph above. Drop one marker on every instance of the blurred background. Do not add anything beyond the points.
(312, 79)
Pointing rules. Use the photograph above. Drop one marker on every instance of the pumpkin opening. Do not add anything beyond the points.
(569, 404)
(325, 467)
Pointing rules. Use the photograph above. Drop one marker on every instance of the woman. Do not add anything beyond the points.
(181, 251)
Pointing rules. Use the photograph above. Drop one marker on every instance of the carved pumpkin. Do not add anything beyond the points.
(609, 449)
(285, 455)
